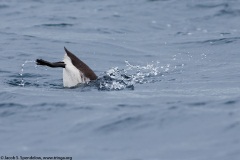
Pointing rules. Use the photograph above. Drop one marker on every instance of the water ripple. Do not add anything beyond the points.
(6, 95)
(233, 125)
(228, 12)
(218, 41)
(3, 6)
(197, 104)
(45, 104)
(230, 102)
(7, 105)
(3, 71)
(121, 123)
(56, 25)
(210, 6)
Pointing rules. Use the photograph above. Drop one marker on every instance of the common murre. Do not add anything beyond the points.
(75, 71)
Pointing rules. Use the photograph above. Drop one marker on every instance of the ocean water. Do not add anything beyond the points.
(168, 86)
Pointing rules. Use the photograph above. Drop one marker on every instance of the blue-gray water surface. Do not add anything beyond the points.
(168, 86)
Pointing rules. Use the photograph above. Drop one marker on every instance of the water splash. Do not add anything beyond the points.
(22, 83)
(115, 79)
(112, 79)
(119, 79)
(140, 74)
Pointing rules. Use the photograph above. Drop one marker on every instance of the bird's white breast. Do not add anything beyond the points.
(71, 75)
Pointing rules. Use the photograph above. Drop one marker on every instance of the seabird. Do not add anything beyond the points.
(75, 71)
